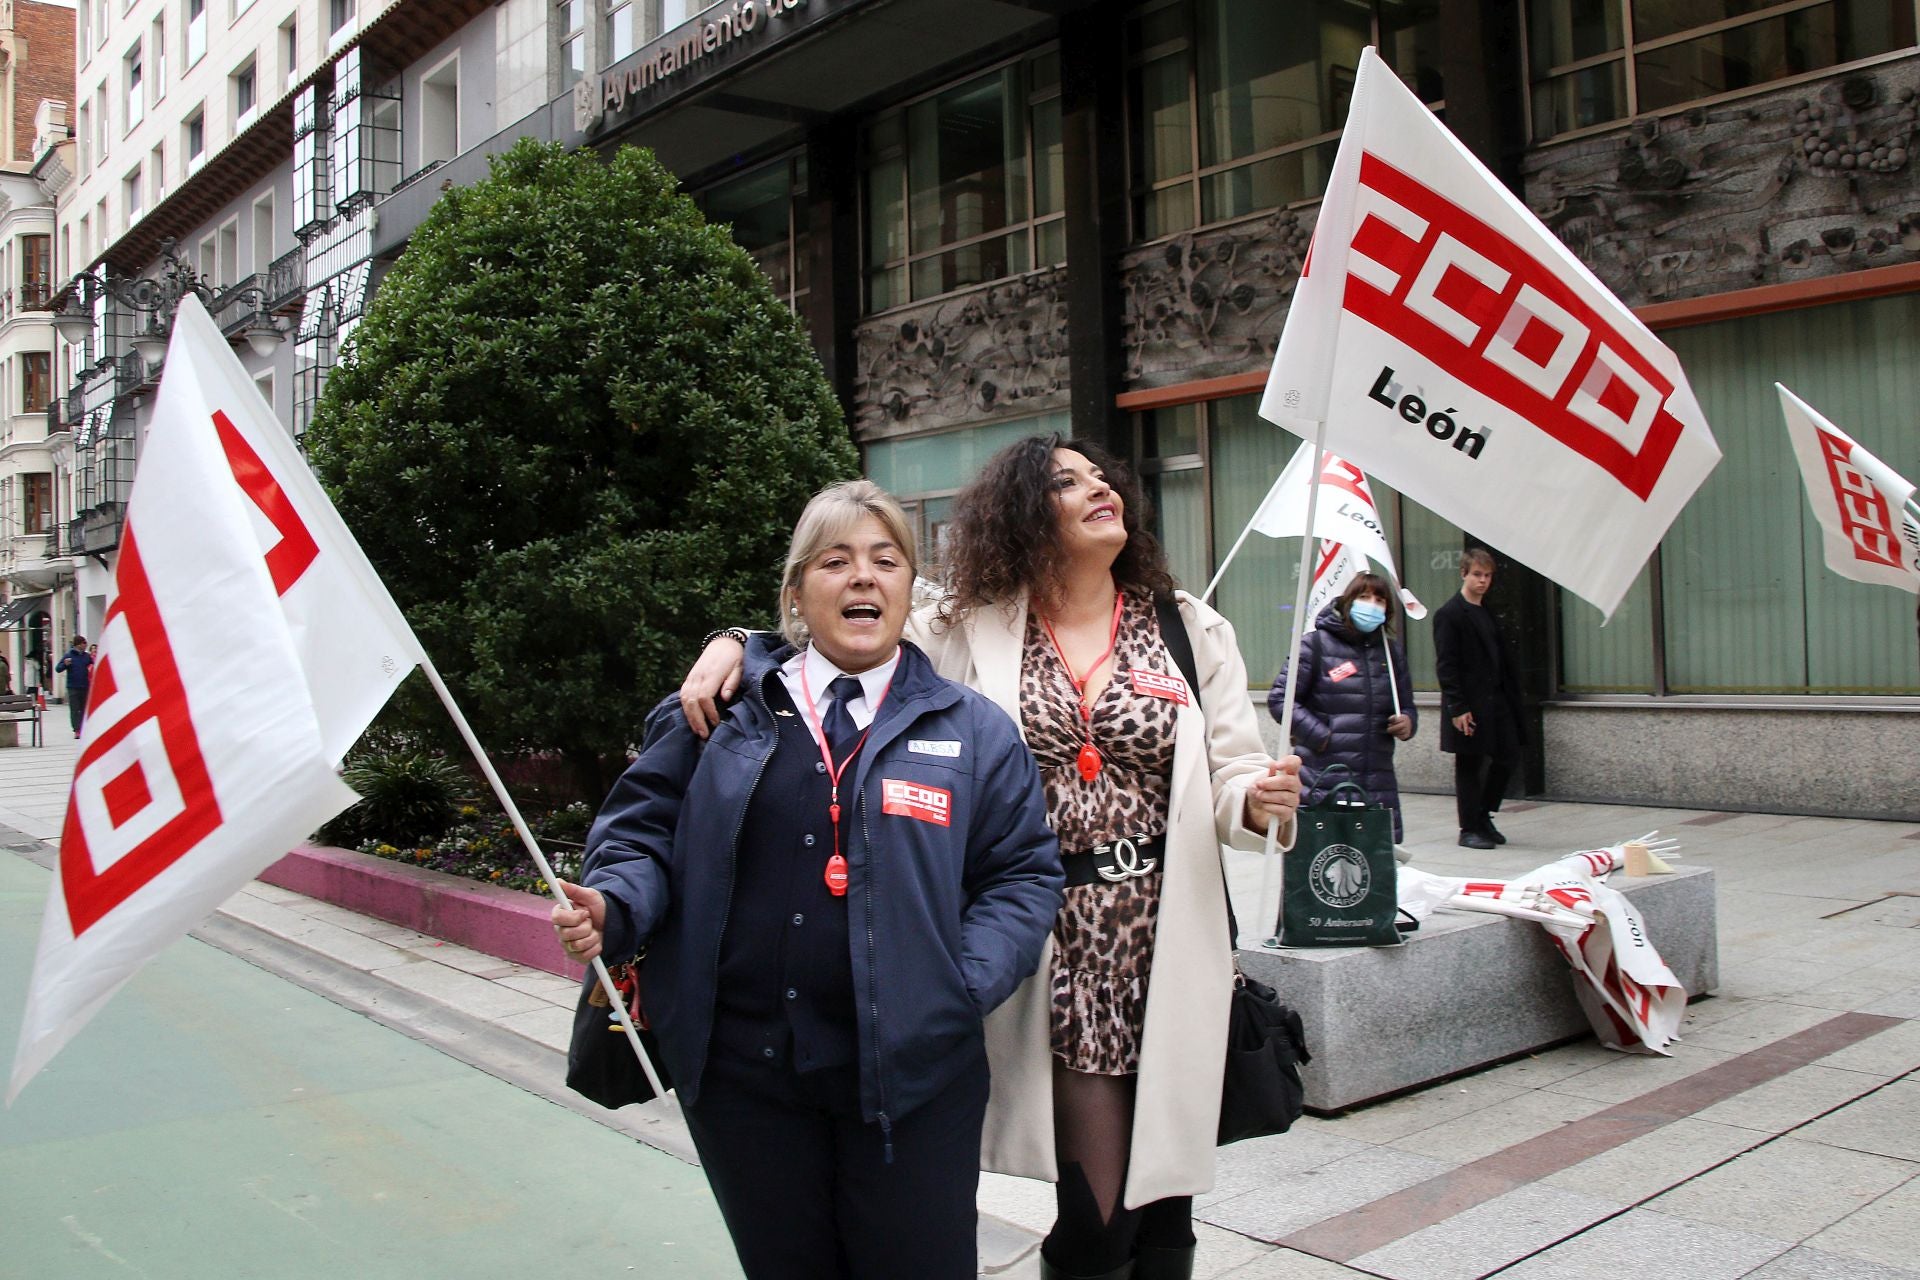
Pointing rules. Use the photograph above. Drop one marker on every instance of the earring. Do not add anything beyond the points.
(794, 609)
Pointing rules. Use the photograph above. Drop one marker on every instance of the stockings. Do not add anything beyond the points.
(1093, 1128)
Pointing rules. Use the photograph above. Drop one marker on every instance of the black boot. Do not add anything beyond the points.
(1122, 1272)
(1163, 1262)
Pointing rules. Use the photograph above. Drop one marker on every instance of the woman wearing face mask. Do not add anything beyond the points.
(831, 894)
(1344, 712)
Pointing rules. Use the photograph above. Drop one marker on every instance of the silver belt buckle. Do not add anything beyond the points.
(1121, 860)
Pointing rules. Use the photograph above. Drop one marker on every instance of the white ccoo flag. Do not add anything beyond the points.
(355, 647)
(1346, 521)
(1459, 352)
(1871, 532)
(246, 645)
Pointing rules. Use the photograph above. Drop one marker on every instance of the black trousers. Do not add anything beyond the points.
(805, 1186)
(1479, 783)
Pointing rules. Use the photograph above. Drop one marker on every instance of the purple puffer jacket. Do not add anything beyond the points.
(1340, 715)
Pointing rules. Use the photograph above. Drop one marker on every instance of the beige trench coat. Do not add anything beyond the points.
(1183, 1046)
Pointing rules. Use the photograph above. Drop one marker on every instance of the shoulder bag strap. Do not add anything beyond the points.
(1173, 634)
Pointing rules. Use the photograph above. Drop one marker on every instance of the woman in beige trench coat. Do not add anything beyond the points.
(1060, 527)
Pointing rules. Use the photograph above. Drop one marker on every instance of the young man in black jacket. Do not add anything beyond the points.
(1480, 722)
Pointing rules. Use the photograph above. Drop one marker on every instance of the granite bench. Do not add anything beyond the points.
(1466, 990)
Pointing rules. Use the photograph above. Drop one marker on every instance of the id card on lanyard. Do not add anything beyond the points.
(835, 874)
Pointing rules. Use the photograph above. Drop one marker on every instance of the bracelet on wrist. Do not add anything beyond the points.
(738, 633)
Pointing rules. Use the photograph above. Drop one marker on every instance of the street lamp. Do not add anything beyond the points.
(154, 301)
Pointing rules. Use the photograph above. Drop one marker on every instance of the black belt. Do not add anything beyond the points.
(1116, 860)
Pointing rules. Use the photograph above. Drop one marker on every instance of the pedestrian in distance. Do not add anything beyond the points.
(831, 893)
(77, 662)
(1107, 1064)
(1481, 725)
(1353, 676)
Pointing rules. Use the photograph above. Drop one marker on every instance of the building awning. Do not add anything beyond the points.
(16, 612)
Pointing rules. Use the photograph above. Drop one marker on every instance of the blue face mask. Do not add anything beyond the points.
(1366, 616)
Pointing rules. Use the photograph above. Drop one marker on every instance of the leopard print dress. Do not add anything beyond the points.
(1103, 937)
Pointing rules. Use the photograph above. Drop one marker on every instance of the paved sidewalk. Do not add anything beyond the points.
(1778, 1141)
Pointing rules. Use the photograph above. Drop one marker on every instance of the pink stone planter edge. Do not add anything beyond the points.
(486, 918)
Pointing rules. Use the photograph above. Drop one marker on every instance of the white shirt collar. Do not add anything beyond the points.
(820, 677)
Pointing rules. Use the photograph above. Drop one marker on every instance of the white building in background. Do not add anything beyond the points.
(248, 149)
(36, 568)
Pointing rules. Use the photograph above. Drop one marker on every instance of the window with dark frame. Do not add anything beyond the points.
(245, 90)
(1592, 63)
(196, 27)
(965, 185)
(764, 207)
(36, 269)
(36, 502)
(1235, 107)
(622, 31)
(36, 381)
(570, 29)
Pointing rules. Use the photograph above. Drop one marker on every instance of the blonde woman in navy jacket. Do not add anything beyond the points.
(818, 979)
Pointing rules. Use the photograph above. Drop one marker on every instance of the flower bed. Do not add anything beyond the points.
(486, 848)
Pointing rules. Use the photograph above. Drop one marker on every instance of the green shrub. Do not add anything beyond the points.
(406, 797)
(573, 432)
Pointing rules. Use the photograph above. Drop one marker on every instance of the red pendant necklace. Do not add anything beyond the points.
(1088, 762)
(836, 871)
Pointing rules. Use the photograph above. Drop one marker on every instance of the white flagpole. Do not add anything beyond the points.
(540, 861)
(1386, 647)
(1308, 545)
(1235, 549)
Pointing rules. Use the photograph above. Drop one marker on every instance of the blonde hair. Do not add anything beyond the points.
(830, 516)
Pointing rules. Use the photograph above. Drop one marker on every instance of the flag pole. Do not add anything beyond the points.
(1221, 572)
(1308, 545)
(1386, 647)
(540, 860)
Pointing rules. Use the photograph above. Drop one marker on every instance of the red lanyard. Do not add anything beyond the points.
(1088, 761)
(836, 872)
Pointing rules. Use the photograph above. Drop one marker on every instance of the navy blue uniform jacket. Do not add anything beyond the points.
(944, 919)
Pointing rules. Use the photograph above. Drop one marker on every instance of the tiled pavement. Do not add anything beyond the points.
(1781, 1140)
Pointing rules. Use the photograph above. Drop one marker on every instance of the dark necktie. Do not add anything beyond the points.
(841, 735)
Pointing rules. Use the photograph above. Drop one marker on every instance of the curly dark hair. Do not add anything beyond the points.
(1004, 536)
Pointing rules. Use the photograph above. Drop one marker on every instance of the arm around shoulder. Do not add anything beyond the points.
(1013, 879)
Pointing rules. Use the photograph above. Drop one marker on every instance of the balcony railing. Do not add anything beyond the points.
(237, 305)
(66, 412)
(286, 280)
(97, 530)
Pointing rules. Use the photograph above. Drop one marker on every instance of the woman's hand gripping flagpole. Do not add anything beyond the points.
(1307, 545)
(614, 997)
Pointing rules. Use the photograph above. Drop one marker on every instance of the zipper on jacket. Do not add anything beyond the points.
(873, 997)
(733, 865)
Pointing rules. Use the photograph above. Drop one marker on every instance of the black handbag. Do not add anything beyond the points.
(1340, 882)
(600, 1063)
(1261, 1092)
(1260, 1089)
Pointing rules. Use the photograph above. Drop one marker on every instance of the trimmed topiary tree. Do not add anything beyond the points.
(573, 432)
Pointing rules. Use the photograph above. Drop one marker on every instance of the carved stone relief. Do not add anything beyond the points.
(997, 352)
(1810, 181)
(1210, 303)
